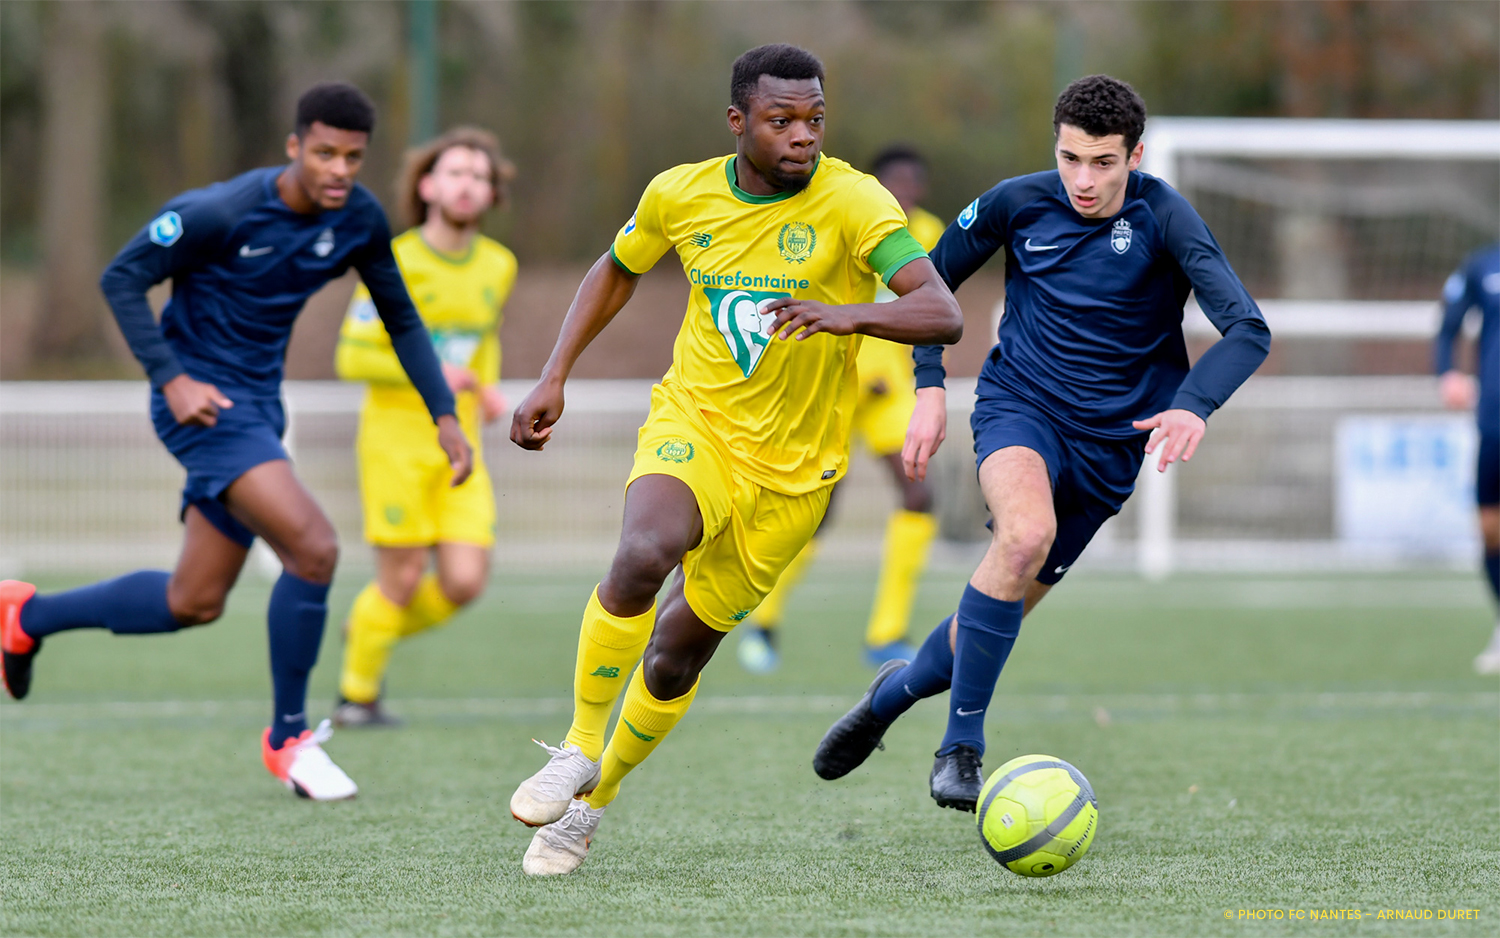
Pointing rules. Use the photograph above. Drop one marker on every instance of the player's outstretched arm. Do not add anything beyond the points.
(604, 292)
(923, 313)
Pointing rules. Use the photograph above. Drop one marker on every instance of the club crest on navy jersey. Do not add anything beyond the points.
(1119, 236)
(165, 229)
(324, 245)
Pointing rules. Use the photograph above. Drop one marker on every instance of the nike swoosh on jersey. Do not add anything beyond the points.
(246, 252)
(1041, 247)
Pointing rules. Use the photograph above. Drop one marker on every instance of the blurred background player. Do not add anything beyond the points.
(1091, 360)
(748, 430)
(459, 280)
(244, 256)
(1476, 285)
(886, 399)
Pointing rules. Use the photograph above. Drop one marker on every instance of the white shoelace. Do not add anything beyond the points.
(564, 770)
(576, 825)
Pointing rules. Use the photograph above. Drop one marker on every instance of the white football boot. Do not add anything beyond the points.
(1488, 661)
(303, 766)
(544, 797)
(561, 846)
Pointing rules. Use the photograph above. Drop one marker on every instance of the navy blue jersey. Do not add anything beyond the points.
(1475, 285)
(1092, 331)
(242, 265)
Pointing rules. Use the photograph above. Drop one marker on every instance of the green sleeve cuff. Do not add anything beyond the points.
(619, 263)
(897, 250)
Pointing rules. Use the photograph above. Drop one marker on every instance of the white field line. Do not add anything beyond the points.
(1005, 706)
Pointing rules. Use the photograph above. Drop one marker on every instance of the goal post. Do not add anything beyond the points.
(1319, 189)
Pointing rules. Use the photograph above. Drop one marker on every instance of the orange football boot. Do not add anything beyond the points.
(302, 765)
(16, 647)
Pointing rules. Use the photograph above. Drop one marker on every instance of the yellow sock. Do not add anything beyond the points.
(374, 626)
(428, 607)
(768, 614)
(608, 648)
(644, 723)
(908, 535)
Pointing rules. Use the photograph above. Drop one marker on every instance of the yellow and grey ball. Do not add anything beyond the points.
(1037, 815)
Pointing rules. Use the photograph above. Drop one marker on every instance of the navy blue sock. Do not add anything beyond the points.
(295, 622)
(134, 604)
(929, 674)
(1492, 571)
(987, 628)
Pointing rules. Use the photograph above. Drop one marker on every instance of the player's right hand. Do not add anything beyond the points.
(531, 425)
(194, 403)
(926, 432)
(1457, 390)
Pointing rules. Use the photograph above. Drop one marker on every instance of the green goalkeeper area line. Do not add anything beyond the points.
(1256, 743)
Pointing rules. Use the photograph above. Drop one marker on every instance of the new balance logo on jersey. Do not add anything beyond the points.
(605, 670)
(1119, 236)
(700, 238)
(741, 318)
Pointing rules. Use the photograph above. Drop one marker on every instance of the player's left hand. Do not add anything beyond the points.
(802, 318)
(452, 440)
(1177, 432)
(492, 403)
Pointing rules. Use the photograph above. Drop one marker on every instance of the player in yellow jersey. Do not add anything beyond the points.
(887, 396)
(459, 280)
(748, 430)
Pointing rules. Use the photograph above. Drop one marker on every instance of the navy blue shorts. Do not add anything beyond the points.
(246, 435)
(1487, 484)
(1090, 478)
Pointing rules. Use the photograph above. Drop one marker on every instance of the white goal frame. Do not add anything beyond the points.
(1168, 139)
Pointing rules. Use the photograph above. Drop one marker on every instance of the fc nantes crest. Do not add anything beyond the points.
(741, 318)
(796, 241)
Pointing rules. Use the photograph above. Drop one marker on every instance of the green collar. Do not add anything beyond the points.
(744, 196)
(457, 260)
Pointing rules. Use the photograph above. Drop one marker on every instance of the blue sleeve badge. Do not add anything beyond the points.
(1453, 288)
(629, 226)
(165, 229)
(967, 216)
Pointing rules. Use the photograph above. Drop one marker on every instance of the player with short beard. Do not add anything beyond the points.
(1090, 375)
(459, 280)
(244, 256)
(748, 430)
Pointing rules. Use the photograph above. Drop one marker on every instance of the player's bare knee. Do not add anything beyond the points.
(644, 560)
(195, 610)
(315, 556)
(1023, 546)
(670, 673)
(916, 496)
(461, 589)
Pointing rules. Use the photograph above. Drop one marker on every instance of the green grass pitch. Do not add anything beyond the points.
(1284, 744)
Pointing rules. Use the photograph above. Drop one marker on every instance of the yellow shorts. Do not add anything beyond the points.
(403, 484)
(887, 396)
(750, 533)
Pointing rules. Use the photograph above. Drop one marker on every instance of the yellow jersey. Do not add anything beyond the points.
(882, 360)
(459, 297)
(782, 408)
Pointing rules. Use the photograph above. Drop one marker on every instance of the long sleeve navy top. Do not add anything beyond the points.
(1475, 285)
(242, 265)
(1092, 331)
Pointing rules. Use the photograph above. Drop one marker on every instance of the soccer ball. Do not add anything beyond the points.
(1037, 815)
